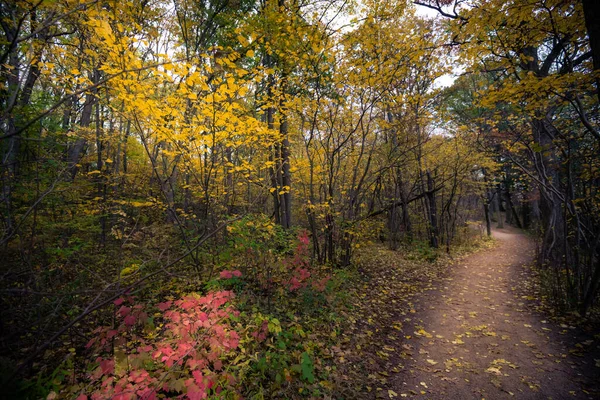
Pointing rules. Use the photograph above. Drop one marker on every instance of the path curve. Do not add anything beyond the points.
(473, 338)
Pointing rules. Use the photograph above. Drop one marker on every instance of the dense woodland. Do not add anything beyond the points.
(187, 185)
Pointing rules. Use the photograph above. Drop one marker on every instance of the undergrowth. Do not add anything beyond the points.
(263, 322)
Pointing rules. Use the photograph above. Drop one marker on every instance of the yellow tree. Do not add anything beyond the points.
(362, 123)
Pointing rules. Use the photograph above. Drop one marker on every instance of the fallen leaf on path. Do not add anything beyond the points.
(423, 332)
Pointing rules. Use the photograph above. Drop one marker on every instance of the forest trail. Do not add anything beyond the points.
(474, 339)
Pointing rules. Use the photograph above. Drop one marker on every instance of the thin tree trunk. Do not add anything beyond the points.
(498, 199)
(511, 207)
(286, 210)
(486, 212)
(433, 223)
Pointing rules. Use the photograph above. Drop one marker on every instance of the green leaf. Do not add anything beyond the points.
(307, 368)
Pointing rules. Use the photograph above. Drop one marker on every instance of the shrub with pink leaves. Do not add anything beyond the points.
(299, 266)
(186, 359)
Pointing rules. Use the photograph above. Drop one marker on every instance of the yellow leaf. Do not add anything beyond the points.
(129, 270)
(142, 204)
(423, 332)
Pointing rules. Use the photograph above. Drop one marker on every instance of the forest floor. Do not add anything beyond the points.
(474, 334)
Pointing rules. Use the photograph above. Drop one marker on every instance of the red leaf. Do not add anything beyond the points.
(187, 304)
(112, 333)
(164, 306)
(194, 392)
(218, 365)
(295, 284)
(123, 311)
(130, 320)
(118, 301)
(198, 377)
(147, 394)
(107, 366)
(234, 340)
(226, 274)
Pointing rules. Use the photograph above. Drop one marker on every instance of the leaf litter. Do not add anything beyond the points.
(453, 329)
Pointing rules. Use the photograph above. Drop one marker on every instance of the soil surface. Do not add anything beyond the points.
(473, 338)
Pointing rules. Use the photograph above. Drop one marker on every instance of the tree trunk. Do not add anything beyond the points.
(513, 212)
(526, 214)
(433, 223)
(75, 150)
(591, 12)
(286, 204)
(498, 200)
(551, 210)
(486, 212)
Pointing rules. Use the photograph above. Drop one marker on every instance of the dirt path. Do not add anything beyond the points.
(473, 339)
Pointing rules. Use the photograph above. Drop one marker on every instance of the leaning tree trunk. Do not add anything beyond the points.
(551, 210)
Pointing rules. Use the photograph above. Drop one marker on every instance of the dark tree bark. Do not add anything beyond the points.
(498, 201)
(591, 12)
(75, 151)
(551, 210)
(513, 212)
(486, 212)
(433, 223)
